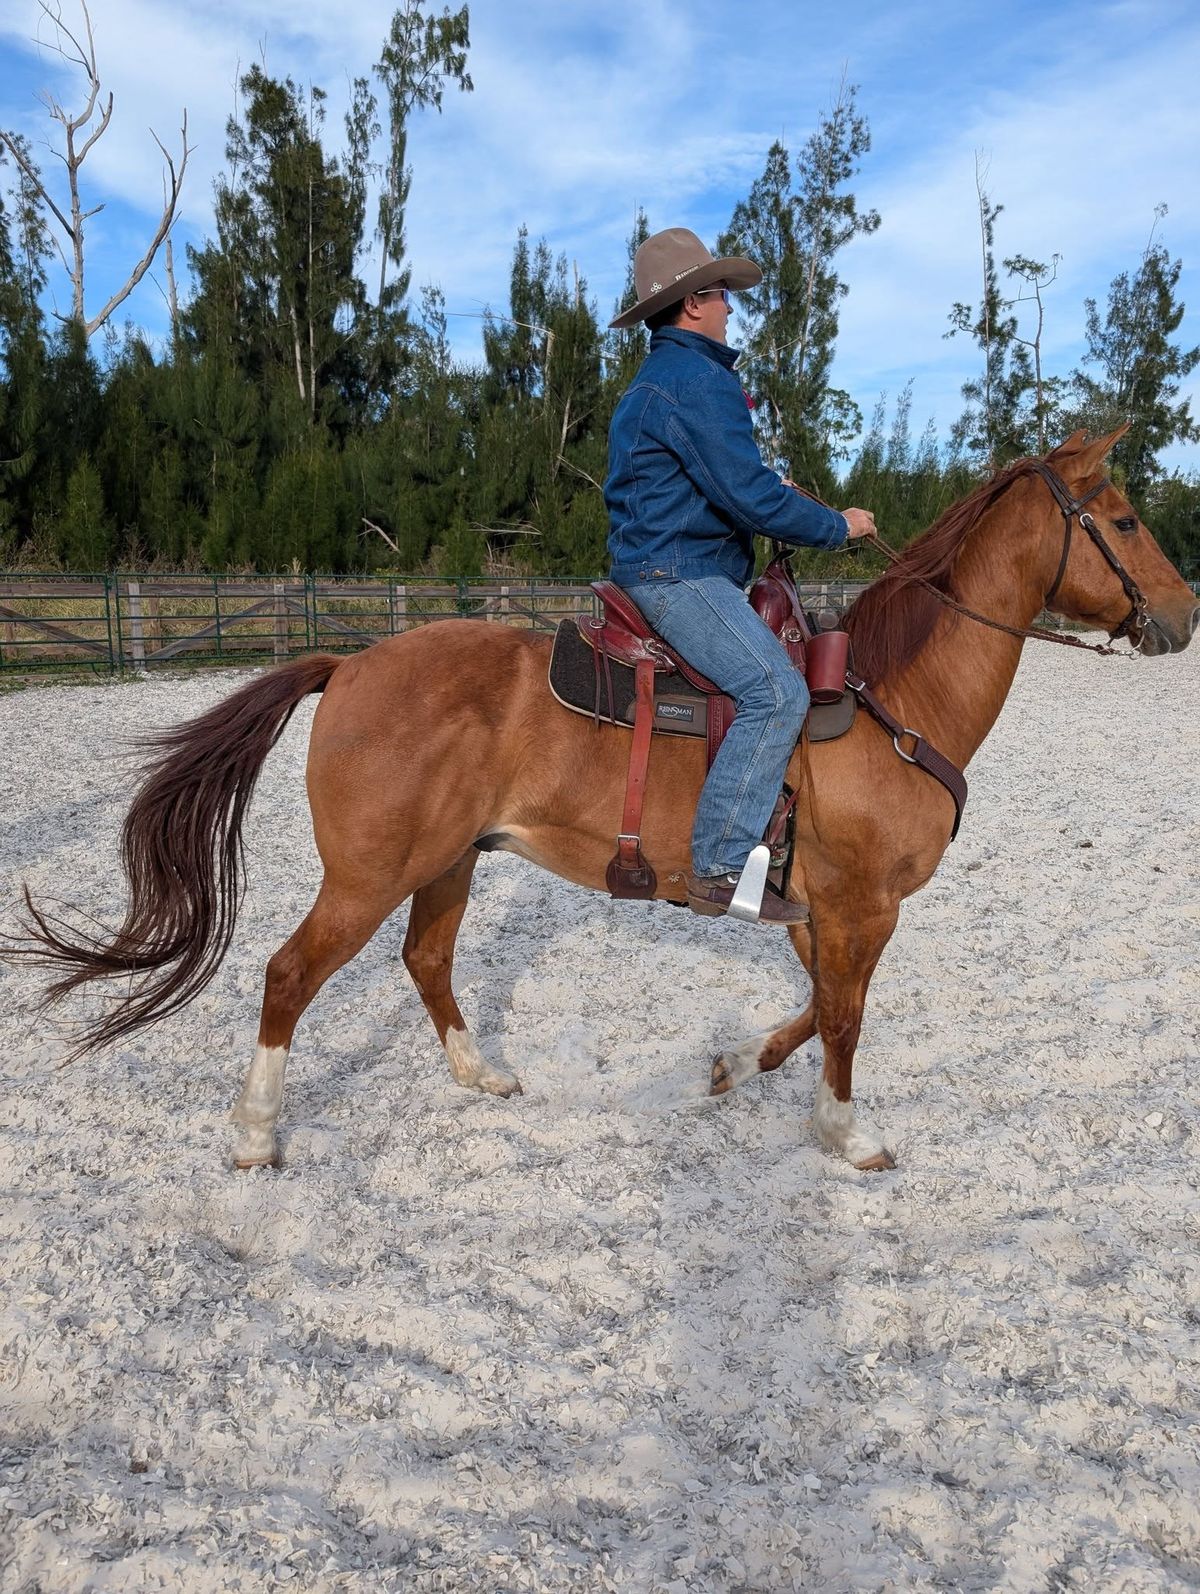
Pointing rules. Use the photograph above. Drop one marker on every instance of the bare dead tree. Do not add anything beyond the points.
(76, 128)
(371, 526)
(1036, 276)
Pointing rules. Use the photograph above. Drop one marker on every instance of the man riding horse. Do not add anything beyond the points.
(687, 491)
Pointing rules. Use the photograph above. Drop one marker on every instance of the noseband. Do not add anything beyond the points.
(1071, 507)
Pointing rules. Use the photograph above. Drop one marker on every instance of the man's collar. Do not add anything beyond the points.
(719, 351)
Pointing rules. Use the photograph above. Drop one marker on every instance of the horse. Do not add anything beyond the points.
(444, 742)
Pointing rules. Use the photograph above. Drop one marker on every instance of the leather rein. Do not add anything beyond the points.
(1070, 508)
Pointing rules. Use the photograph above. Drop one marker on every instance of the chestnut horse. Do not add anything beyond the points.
(433, 746)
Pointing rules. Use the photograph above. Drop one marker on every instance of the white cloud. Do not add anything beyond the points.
(1079, 157)
(1088, 115)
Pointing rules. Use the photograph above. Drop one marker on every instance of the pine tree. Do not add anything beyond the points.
(1172, 510)
(420, 57)
(794, 223)
(85, 530)
(626, 348)
(276, 293)
(413, 468)
(541, 438)
(1141, 368)
(24, 446)
(999, 421)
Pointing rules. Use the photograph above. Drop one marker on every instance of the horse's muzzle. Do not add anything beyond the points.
(1162, 634)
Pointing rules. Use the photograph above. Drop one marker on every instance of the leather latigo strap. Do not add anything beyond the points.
(922, 754)
(629, 873)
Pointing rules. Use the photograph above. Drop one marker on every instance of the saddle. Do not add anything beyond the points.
(621, 635)
(668, 694)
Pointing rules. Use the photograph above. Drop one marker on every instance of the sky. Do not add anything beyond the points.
(1084, 116)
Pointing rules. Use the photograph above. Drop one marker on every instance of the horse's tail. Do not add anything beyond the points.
(181, 848)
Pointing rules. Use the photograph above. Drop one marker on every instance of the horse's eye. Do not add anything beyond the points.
(1127, 525)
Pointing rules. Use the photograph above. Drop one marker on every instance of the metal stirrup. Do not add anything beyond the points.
(752, 883)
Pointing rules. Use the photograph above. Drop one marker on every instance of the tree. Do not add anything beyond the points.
(998, 423)
(420, 56)
(1172, 510)
(86, 527)
(540, 441)
(626, 348)
(1140, 367)
(276, 293)
(413, 466)
(72, 229)
(24, 248)
(1047, 390)
(794, 223)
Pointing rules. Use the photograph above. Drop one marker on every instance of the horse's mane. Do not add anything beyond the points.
(891, 621)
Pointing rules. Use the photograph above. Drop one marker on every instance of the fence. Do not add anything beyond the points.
(113, 623)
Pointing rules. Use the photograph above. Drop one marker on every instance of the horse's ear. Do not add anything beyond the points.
(1069, 445)
(1086, 457)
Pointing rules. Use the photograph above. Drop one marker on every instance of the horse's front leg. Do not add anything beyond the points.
(848, 945)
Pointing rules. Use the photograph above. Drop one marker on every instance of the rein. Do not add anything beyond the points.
(1070, 508)
(923, 753)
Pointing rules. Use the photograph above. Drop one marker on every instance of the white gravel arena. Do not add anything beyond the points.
(611, 1334)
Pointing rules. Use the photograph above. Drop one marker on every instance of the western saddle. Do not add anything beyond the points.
(622, 634)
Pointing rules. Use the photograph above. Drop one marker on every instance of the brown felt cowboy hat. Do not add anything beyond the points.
(674, 263)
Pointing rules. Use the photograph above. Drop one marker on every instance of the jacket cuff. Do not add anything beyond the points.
(841, 536)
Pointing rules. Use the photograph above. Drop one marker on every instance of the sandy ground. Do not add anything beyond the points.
(611, 1335)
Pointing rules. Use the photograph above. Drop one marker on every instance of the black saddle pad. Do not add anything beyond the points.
(679, 709)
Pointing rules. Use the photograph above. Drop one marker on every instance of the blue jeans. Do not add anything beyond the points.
(709, 621)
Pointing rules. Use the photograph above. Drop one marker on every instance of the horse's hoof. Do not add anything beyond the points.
(720, 1079)
(255, 1146)
(881, 1162)
(497, 1082)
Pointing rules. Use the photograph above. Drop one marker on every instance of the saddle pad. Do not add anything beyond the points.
(679, 709)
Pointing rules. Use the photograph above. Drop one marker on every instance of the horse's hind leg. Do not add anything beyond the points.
(433, 920)
(340, 923)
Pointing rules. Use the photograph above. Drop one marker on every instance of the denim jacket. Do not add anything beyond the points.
(687, 489)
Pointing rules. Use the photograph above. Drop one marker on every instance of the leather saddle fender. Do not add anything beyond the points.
(624, 634)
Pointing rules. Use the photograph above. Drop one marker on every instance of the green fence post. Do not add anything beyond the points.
(217, 613)
(108, 623)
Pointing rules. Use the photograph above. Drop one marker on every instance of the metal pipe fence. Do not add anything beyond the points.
(111, 623)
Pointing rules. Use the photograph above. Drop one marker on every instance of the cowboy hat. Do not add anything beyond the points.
(674, 263)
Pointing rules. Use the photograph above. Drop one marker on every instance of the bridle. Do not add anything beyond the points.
(1071, 509)
(923, 753)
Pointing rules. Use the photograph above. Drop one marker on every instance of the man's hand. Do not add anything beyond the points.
(860, 522)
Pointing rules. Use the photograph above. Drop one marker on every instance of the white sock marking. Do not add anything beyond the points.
(838, 1128)
(257, 1108)
(742, 1061)
(469, 1067)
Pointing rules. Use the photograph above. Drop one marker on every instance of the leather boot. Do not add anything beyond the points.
(711, 895)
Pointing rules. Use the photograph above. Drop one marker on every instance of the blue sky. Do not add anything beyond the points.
(1086, 114)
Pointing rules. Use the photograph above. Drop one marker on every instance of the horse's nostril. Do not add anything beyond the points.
(1195, 619)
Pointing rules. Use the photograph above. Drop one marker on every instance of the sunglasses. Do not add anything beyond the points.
(724, 292)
